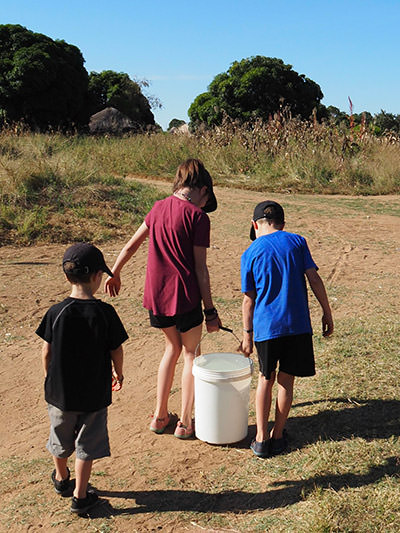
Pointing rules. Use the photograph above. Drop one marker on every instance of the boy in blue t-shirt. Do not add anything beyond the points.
(275, 309)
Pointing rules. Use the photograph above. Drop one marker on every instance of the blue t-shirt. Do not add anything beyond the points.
(274, 266)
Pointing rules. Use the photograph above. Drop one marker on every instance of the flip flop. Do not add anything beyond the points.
(158, 425)
(183, 432)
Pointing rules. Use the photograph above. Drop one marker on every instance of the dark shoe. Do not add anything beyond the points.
(261, 449)
(278, 446)
(60, 486)
(82, 505)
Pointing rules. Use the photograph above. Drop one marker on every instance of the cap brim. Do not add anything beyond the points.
(211, 204)
(107, 271)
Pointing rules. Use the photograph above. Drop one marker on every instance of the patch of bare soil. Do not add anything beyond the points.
(357, 253)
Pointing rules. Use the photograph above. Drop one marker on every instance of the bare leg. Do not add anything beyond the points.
(283, 403)
(263, 405)
(166, 370)
(83, 470)
(61, 467)
(190, 341)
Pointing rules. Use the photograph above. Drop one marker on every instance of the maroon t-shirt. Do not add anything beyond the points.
(175, 226)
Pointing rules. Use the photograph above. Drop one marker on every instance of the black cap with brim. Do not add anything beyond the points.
(259, 212)
(211, 204)
(87, 259)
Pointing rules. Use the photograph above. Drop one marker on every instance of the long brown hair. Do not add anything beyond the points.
(193, 174)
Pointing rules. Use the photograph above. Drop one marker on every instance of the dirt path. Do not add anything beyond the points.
(358, 253)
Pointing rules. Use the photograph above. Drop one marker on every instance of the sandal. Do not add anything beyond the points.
(183, 432)
(158, 425)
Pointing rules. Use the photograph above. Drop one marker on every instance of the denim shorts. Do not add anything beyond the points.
(295, 354)
(85, 433)
(182, 322)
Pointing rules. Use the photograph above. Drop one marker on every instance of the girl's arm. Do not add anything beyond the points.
(203, 279)
(46, 357)
(112, 285)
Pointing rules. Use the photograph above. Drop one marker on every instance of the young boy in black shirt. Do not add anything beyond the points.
(83, 340)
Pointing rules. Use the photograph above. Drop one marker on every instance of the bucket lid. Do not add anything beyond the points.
(223, 366)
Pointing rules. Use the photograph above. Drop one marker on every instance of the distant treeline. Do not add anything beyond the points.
(45, 86)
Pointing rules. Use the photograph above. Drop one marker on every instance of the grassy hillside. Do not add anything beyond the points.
(62, 188)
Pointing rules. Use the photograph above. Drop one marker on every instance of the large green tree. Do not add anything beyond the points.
(253, 88)
(42, 81)
(387, 122)
(116, 89)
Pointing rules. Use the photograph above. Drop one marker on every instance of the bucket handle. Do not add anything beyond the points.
(229, 330)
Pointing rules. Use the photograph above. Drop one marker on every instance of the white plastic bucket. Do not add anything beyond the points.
(222, 388)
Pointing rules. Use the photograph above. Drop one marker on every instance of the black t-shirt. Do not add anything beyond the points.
(81, 333)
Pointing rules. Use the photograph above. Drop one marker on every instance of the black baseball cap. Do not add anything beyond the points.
(86, 257)
(275, 213)
(211, 204)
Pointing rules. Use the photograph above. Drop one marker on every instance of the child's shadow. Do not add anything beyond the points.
(368, 419)
(281, 494)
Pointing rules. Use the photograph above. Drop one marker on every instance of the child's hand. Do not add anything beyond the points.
(116, 382)
(213, 325)
(327, 325)
(246, 347)
(112, 285)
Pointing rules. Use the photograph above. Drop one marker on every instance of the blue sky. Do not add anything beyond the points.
(350, 48)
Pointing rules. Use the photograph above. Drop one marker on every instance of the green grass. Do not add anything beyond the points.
(341, 473)
(50, 183)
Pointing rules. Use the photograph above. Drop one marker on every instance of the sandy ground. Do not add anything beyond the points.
(358, 251)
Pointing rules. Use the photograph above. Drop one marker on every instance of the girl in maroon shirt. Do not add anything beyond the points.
(177, 281)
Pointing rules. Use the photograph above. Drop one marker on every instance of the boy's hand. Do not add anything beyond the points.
(112, 285)
(327, 325)
(116, 382)
(246, 347)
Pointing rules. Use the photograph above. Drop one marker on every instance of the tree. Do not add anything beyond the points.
(256, 87)
(175, 123)
(387, 122)
(42, 82)
(116, 89)
(336, 115)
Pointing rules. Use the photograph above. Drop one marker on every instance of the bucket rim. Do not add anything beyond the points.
(222, 375)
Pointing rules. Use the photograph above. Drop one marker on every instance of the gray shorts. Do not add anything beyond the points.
(85, 433)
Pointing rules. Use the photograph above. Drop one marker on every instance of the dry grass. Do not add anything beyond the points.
(47, 181)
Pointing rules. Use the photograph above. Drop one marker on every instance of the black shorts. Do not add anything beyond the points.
(182, 322)
(295, 354)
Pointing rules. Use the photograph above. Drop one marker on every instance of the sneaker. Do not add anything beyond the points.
(60, 486)
(82, 505)
(261, 449)
(183, 432)
(278, 446)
